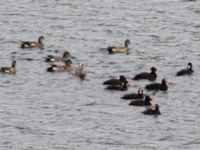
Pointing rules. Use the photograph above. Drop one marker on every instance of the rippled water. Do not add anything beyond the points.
(45, 111)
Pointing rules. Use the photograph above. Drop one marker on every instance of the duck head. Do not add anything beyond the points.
(68, 62)
(14, 63)
(153, 69)
(40, 39)
(123, 79)
(66, 54)
(127, 42)
(189, 66)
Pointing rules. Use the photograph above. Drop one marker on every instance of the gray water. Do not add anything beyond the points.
(57, 111)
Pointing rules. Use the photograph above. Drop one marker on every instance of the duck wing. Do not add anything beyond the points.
(137, 103)
(112, 82)
(154, 86)
(116, 88)
(143, 75)
(132, 96)
(183, 72)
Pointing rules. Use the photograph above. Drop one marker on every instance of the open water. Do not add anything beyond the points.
(57, 111)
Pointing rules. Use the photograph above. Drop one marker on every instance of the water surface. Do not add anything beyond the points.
(45, 111)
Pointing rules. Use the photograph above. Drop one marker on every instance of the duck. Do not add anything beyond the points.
(9, 70)
(138, 95)
(112, 50)
(80, 72)
(122, 79)
(141, 102)
(51, 58)
(33, 44)
(117, 87)
(154, 110)
(163, 86)
(145, 75)
(60, 68)
(187, 71)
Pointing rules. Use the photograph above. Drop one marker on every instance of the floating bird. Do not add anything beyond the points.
(141, 102)
(33, 44)
(80, 72)
(145, 75)
(138, 95)
(112, 50)
(118, 87)
(51, 58)
(60, 68)
(187, 71)
(154, 110)
(9, 70)
(158, 86)
(122, 79)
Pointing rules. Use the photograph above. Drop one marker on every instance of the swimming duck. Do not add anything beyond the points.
(141, 102)
(154, 110)
(33, 44)
(145, 75)
(9, 70)
(51, 58)
(60, 68)
(118, 87)
(80, 72)
(138, 95)
(120, 81)
(112, 50)
(158, 86)
(187, 71)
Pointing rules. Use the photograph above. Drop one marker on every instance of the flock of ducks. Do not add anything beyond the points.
(139, 98)
(66, 63)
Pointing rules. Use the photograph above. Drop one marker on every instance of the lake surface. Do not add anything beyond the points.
(57, 111)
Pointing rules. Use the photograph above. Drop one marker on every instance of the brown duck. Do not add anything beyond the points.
(9, 70)
(33, 44)
(51, 58)
(112, 50)
(60, 68)
(80, 72)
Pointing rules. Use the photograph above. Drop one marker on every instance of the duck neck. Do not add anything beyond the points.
(13, 65)
(154, 73)
(126, 44)
(147, 101)
(40, 40)
(190, 67)
(125, 85)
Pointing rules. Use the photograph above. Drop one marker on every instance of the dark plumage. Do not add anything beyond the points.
(153, 111)
(158, 86)
(145, 75)
(187, 71)
(60, 68)
(33, 44)
(138, 95)
(141, 102)
(112, 50)
(120, 81)
(51, 58)
(117, 87)
(9, 70)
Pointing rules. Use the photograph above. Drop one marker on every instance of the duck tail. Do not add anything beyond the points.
(47, 59)
(22, 45)
(110, 50)
(50, 69)
(25, 44)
